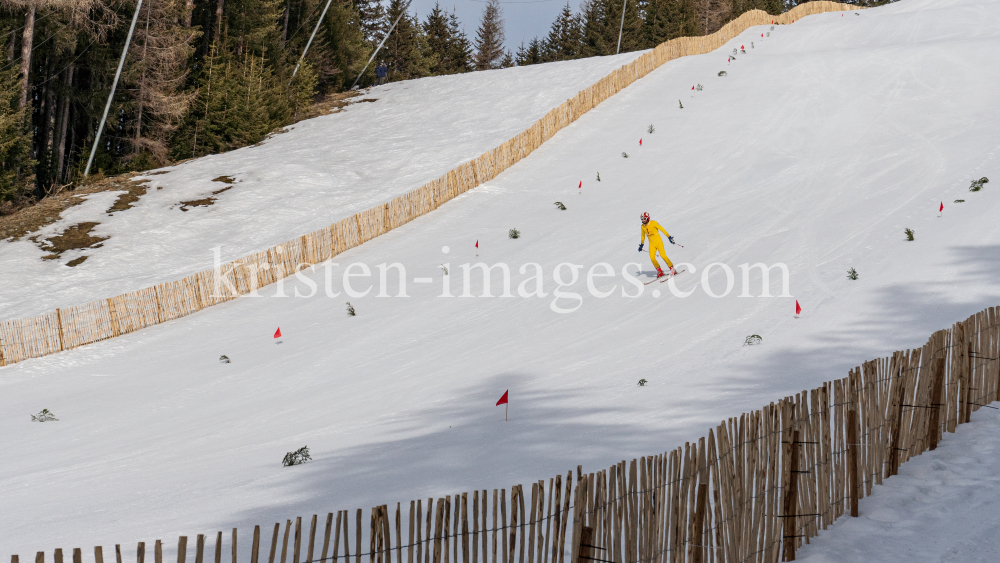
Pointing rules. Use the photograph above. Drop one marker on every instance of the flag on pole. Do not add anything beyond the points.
(692, 87)
(640, 141)
(941, 210)
(798, 308)
(581, 184)
(503, 401)
(477, 247)
(277, 333)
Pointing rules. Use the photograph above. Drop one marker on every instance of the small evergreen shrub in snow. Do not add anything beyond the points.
(224, 359)
(751, 45)
(723, 73)
(298, 457)
(514, 233)
(753, 340)
(699, 87)
(598, 176)
(744, 51)
(651, 129)
(978, 184)
(43, 416)
(959, 201)
(768, 34)
(852, 274)
(624, 154)
(643, 382)
(908, 233)
(350, 308)
(560, 205)
(681, 104)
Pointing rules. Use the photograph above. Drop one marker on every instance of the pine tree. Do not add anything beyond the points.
(565, 37)
(16, 178)
(594, 29)
(508, 60)
(490, 38)
(406, 51)
(460, 48)
(630, 28)
(439, 40)
(152, 84)
(530, 55)
(667, 19)
(374, 22)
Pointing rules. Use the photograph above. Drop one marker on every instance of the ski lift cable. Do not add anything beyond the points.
(387, 34)
(311, 37)
(114, 85)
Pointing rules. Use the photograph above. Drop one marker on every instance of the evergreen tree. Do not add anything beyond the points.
(460, 47)
(595, 29)
(530, 55)
(508, 60)
(151, 87)
(667, 19)
(374, 22)
(439, 40)
(490, 38)
(565, 37)
(345, 50)
(406, 51)
(16, 178)
(629, 27)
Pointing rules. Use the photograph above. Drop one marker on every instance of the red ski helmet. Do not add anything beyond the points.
(644, 218)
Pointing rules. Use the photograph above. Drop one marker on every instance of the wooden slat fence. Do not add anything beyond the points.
(69, 328)
(755, 489)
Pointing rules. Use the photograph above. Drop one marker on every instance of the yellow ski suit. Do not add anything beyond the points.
(655, 242)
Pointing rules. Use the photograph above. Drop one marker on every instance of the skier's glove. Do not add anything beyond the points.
(671, 239)
(640, 246)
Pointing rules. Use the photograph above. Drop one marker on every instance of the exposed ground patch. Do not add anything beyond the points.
(134, 191)
(205, 202)
(73, 238)
(47, 211)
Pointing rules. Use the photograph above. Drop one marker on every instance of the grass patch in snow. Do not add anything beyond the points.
(73, 238)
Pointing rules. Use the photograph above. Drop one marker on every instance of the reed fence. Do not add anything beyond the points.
(65, 329)
(753, 490)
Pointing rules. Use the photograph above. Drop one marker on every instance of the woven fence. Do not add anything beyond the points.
(753, 490)
(69, 328)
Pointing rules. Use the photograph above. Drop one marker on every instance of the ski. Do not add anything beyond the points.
(663, 278)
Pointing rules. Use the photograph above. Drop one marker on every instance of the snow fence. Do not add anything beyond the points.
(753, 490)
(69, 328)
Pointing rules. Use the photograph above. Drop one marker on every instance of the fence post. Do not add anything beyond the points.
(62, 346)
(933, 430)
(897, 420)
(585, 549)
(854, 484)
(967, 392)
(182, 544)
(791, 497)
(699, 524)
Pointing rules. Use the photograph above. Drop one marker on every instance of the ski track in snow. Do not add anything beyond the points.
(822, 144)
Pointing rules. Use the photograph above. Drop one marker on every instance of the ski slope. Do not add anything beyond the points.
(316, 173)
(824, 142)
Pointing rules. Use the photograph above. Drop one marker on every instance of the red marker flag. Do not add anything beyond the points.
(692, 87)
(640, 141)
(503, 401)
(581, 185)
(477, 243)
(798, 308)
(942, 206)
(742, 47)
(277, 333)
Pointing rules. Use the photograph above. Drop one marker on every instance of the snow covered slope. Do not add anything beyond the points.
(824, 142)
(321, 171)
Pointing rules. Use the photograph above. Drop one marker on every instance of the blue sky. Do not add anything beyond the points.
(523, 20)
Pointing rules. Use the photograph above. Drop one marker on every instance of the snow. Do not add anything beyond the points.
(318, 172)
(940, 507)
(823, 143)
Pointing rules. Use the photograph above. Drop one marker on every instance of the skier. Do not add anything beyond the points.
(380, 73)
(649, 229)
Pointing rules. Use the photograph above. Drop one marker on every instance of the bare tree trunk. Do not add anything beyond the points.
(188, 10)
(61, 152)
(284, 31)
(29, 33)
(218, 19)
(142, 82)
